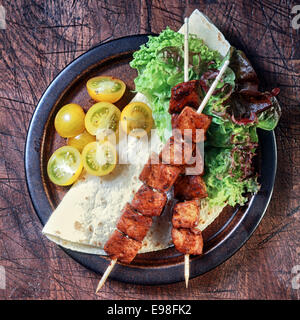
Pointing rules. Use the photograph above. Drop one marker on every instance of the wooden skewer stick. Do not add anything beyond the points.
(106, 274)
(187, 269)
(186, 78)
(200, 109)
(186, 50)
(213, 87)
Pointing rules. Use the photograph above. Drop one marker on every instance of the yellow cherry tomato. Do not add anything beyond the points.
(105, 88)
(99, 158)
(65, 166)
(69, 121)
(81, 140)
(136, 119)
(102, 119)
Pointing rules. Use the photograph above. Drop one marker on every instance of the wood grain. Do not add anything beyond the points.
(41, 38)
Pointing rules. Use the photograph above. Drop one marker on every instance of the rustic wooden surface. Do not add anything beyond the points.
(41, 38)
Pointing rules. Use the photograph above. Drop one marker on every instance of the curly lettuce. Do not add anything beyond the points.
(226, 185)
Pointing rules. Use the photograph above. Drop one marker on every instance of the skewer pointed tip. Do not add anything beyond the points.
(105, 275)
(100, 285)
(186, 282)
(187, 269)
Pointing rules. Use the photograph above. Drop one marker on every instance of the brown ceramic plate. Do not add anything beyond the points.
(222, 238)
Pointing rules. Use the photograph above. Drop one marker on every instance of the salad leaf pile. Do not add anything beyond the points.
(237, 108)
(160, 66)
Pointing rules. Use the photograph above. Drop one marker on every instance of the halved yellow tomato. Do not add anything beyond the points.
(136, 119)
(81, 140)
(64, 166)
(105, 88)
(99, 158)
(102, 119)
(69, 121)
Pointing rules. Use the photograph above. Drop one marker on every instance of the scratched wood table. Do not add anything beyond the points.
(42, 37)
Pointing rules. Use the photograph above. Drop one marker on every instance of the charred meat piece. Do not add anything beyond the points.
(185, 94)
(195, 165)
(186, 214)
(133, 223)
(159, 176)
(189, 188)
(148, 201)
(189, 121)
(188, 241)
(121, 247)
(177, 152)
(174, 118)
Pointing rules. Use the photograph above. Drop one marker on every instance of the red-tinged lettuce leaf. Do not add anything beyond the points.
(227, 178)
(246, 77)
(244, 108)
(247, 105)
(268, 119)
(241, 161)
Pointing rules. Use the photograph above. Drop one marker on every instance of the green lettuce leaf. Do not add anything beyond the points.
(268, 119)
(223, 185)
(226, 134)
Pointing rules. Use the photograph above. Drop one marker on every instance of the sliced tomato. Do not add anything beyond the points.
(99, 158)
(102, 119)
(105, 88)
(65, 166)
(136, 119)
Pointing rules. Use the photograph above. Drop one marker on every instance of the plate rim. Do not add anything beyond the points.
(135, 274)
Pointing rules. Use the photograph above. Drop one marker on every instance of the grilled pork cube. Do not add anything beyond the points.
(159, 176)
(133, 223)
(148, 201)
(189, 188)
(196, 165)
(121, 247)
(188, 241)
(176, 152)
(186, 214)
(189, 121)
(185, 94)
(174, 119)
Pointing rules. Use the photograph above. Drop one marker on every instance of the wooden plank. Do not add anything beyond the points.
(41, 38)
